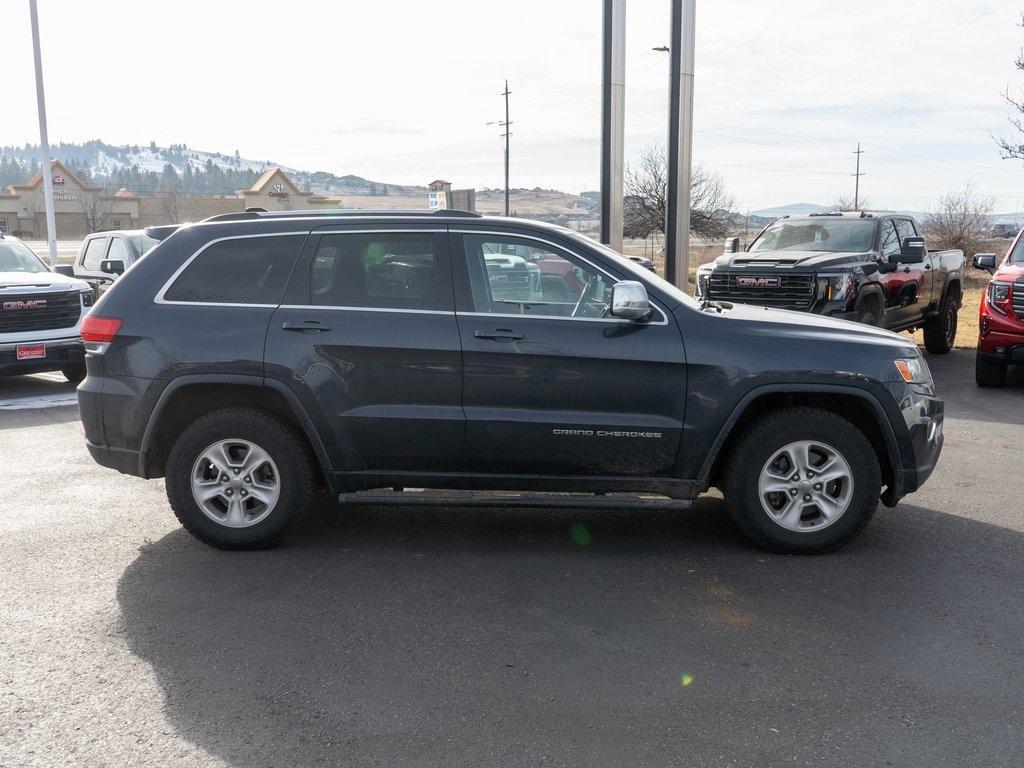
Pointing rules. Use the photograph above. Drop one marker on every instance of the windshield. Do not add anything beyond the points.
(836, 235)
(15, 256)
(641, 273)
(1017, 254)
(142, 243)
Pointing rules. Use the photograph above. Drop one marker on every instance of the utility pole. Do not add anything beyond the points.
(680, 143)
(44, 142)
(856, 176)
(506, 124)
(613, 121)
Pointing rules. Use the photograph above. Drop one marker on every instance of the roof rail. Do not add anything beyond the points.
(455, 213)
(259, 213)
(830, 213)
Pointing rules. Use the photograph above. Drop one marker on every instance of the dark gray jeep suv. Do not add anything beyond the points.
(256, 357)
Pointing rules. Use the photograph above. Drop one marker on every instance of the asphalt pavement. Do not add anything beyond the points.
(477, 637)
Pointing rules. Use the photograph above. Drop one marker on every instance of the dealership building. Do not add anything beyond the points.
(81, 208)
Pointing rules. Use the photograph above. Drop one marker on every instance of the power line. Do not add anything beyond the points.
(506, 123)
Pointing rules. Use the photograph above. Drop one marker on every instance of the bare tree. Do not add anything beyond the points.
(960, 221)
(168, 190)
(646, 199)
(844, 203)
(1013, 148)
(95, 211)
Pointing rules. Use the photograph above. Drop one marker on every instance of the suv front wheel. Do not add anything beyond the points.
(802, 481)
(238, 478)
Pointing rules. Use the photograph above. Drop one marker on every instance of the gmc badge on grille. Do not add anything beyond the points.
(31, 304)
(758, 282)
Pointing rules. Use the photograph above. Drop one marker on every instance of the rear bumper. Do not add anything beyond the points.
(60, 353)
(125, 461)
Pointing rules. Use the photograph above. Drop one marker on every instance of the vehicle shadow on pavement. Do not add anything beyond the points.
(486, 637)
(954, 382)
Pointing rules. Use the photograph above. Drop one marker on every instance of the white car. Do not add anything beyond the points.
(40, 315)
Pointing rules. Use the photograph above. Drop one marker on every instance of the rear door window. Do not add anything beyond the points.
(375, 270)
(246, 270)
(95, 252)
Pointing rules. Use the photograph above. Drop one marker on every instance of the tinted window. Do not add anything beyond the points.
(119, 250)
(511, 275)
(95, 252)
(905, 228)
(890, 240)
(250, 270)
(380, 270)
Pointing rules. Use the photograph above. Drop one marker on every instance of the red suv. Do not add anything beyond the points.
(1001, 339)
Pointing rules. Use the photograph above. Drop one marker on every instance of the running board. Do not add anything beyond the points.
(421, 497)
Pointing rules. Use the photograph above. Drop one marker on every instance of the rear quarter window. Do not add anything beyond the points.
(247, 270)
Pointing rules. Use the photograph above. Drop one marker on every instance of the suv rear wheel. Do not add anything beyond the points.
(802, 481)
(74, 373)
(238, 478)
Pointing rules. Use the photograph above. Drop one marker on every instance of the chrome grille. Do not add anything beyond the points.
(1018, 299)
(792, 291)
(61, 310)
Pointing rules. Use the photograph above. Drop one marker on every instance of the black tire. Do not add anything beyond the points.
(763, 439)
(75, 373)
(940, 331)
(285, 447)
(988, 373)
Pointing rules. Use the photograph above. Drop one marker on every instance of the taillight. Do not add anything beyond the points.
(100, 330)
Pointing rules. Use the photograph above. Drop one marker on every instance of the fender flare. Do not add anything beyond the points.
(867, 291)
(889, 434)
(255, 382)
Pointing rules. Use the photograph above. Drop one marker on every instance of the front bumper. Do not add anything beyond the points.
(1004, 355)
(920, 446)
(60, 354)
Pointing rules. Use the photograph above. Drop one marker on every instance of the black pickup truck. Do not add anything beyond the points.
(255, 357)
(870, 267)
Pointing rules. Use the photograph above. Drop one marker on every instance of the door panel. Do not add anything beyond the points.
(370, 345)
(546, 393)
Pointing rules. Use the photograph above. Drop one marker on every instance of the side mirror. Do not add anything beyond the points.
(913, 250)
(629, 300)
(986, 261)
(732, 245)
(112, 266)
(65, 269)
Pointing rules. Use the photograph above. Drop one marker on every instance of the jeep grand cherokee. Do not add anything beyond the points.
(254, 356)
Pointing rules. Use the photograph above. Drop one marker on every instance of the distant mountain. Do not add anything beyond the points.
(141, 168)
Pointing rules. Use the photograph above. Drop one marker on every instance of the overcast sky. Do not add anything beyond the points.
(401, 90)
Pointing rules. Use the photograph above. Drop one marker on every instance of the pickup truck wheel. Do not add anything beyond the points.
(802, 481)
(75, 373)
(238, 478)
(940, 331)
(987, 373)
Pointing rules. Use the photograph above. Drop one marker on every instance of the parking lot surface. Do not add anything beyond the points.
(505, 637)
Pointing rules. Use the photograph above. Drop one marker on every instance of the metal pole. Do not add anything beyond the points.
(680, 143)
(508, 133)
(44, 142)
(857, 175)
(613, 121)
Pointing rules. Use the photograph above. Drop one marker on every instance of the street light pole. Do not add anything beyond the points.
(613, 121)
(680, 143)
(44, 142)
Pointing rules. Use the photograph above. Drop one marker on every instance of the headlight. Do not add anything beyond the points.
(703, 280)
(998, 295)
(914, 370)
(838, 287)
